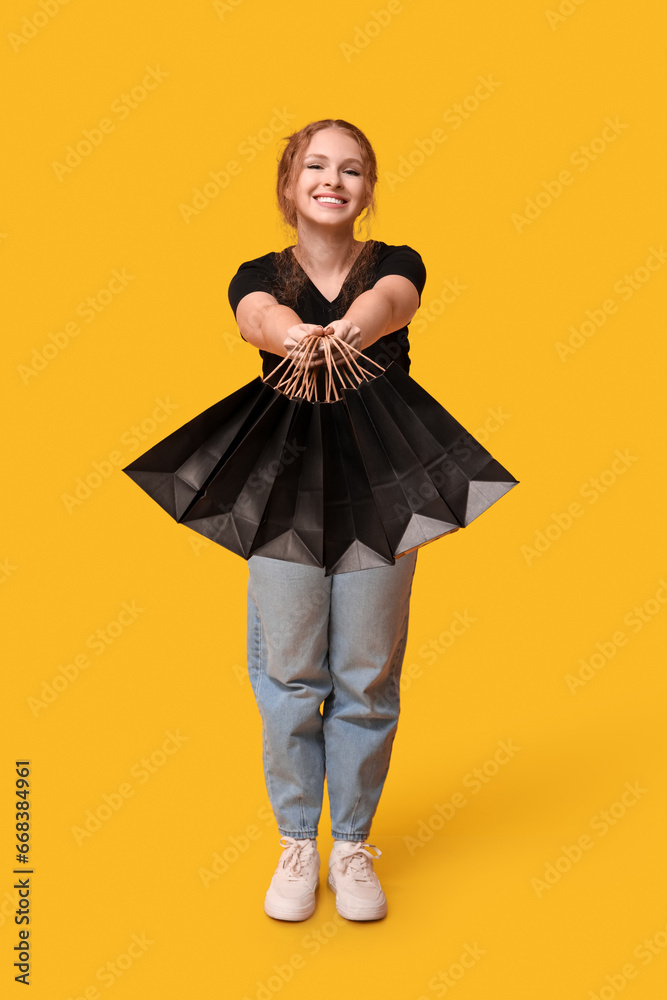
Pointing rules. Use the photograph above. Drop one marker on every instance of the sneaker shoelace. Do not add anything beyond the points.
(355, 859)
(291, 859)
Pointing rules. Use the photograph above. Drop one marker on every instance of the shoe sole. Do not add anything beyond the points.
(303, 914)
(351, 914)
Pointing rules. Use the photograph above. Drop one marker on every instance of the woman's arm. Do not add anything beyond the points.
(268, 325)
(388, 306)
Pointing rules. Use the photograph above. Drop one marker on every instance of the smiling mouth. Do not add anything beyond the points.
(330, 200)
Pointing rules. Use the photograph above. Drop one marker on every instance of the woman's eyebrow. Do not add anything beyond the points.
(320, 156)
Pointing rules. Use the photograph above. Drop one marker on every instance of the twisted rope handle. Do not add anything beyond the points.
(299, 380)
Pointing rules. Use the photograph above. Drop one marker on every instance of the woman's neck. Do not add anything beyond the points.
(329, 254)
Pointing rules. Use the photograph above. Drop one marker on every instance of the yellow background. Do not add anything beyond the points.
(490, 355)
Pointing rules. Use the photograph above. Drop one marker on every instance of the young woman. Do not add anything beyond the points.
(338, 641)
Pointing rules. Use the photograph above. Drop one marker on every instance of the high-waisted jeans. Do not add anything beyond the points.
(336, 642)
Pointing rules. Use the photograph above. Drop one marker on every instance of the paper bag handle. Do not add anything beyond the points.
(299, 381)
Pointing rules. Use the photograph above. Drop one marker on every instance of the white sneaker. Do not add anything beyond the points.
(291, 895)
(359, 895)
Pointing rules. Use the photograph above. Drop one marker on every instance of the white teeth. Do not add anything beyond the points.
(334, 201)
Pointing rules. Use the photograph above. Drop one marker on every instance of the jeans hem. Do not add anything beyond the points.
(350, 836)
(298, 834)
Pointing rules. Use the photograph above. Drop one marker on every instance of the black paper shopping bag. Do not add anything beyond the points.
(412, 511)
(232, 505)
(346, 482)
(467, 476)
(292, 526)
(354, 535)
(176, 469)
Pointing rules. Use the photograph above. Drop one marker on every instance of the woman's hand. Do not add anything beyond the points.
(293, 342)
(337, 329)
(343, 329)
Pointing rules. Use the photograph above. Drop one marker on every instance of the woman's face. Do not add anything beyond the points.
(332, 168)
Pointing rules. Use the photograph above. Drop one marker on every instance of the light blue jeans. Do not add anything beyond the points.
(336, 642)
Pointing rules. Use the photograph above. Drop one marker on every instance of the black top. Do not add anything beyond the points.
(313, 307)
